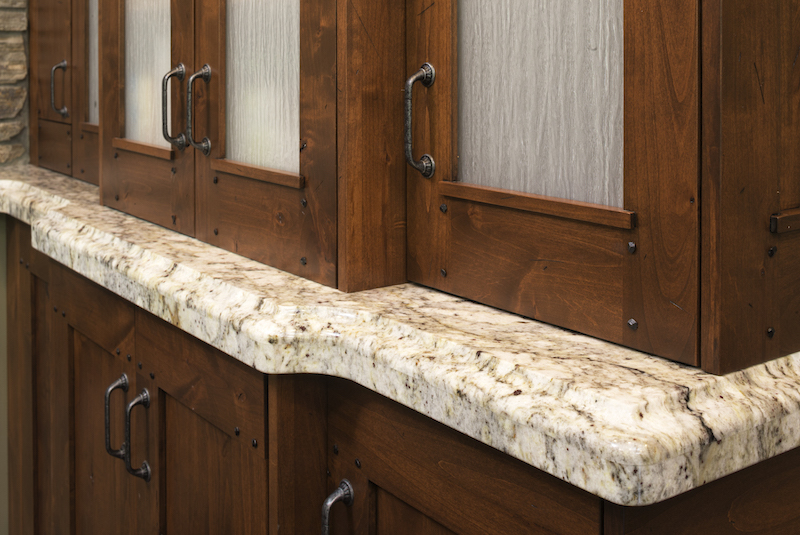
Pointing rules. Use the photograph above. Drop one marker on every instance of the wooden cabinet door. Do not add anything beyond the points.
(517, 224)
(93, 333)
(64, 65)
(51, 92)
(411, 474)
(266, 188)
(144, 174)
(207, 435)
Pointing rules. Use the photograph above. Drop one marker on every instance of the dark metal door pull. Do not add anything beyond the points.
(144, 471)
(63, 109)
(342, 494)
(178, 72)
(121, 383)
(426, 74)
(205, 145)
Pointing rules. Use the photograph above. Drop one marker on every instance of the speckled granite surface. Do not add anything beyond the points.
(630, 428)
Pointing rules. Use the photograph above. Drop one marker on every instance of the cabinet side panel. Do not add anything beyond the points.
(752, 106)
(662, 176)
(372, 168)
(21, 446)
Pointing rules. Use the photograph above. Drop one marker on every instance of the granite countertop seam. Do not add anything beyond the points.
(628, 427)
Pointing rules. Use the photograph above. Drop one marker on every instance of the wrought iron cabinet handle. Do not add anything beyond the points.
(178, 72)
(144, 471)
(205, 145)
(426, 74)
(121, 383)
(63, 109)
(342, 494)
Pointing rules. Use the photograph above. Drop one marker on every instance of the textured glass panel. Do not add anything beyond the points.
(263, 83)
(147, 60)
(541, 97)
(92, 68)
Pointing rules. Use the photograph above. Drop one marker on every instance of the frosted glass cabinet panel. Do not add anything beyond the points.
(147, 58)
(540, 97)
(263, 83)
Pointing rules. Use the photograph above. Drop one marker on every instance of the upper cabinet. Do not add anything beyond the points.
(220, 122)
(554, 162)
(65, 86)
(621, 168)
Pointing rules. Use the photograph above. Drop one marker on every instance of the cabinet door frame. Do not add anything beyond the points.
(628, 275)
(147, 181)
(286, 220)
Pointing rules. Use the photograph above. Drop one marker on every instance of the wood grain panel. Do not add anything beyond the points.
(148, 187)
(297, 433)
(372, 168)
(85, 145)
(788, 35)
(52, 372)
(557, 270)
(86, 157)
(431, 37)
(755, 500)
(103, 493)
(55, 146)
(261, 221)
(105, 318)
(745, 192)
(266, 222)
(465, 486)
(22, 453)
(396, 517)
(787, 300)
(214, 484)
(218, 388)
(662, 176)
(51, 36)
(539, 204)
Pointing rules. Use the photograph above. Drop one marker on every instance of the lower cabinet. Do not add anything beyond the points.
(410, 474)
(137, 427)
(120, 423)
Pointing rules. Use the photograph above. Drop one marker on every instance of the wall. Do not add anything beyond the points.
(13, 149)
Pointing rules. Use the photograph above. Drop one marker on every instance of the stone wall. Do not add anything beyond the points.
(13, 81)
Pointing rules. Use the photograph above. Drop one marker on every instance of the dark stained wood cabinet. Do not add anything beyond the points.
(412, 475)
(233, 451)
(64, 136)
(203, 433)
(695, 265)
(587, 267)
(284, 219)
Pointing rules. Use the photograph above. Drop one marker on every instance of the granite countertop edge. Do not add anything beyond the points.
(628, 427)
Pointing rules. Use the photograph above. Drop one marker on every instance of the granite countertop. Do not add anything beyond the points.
(628, 427)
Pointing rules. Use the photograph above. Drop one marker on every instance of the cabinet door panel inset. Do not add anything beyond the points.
(214, 484)
(262, 59)
(147, 59)
(540, 97)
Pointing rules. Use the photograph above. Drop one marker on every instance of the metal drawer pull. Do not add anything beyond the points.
(144, 471)
(178, 72)
(342, 494)
(426, 74)
(62, 110)
(204, 145)
(122, 383)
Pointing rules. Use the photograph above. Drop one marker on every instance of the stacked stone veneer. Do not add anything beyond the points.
(13, 80)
